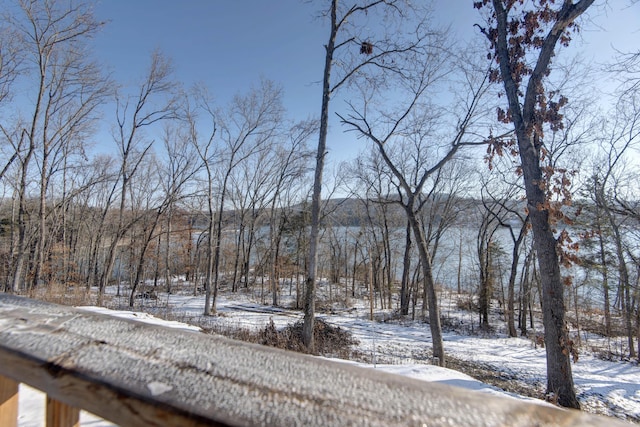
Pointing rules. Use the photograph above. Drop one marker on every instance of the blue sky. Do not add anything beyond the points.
(230, 44)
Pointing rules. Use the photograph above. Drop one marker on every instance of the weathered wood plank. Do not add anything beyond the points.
(136, 374)
(8, 402)
(61, 415)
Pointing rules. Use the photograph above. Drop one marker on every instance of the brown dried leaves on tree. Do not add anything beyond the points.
(526, 33)
(366, 48)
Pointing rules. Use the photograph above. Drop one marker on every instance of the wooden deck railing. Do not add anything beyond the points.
(135, 374)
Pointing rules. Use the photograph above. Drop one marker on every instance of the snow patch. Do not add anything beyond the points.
(157, 388)
(140, 317)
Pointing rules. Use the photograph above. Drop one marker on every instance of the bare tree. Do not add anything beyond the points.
(486, 248)
(83, 187)
(372, 184)
(73, 94)
(626, 69)
(147, 206)
(102, 197)
(409, 136)
(11, 59)
(610, 177)
(206, 150)
(291, 160)
(445, 204)
(68, 89)
(250, 192)
(154, 102)
(501, 202)
(361, 57)
(181, 166)
(249, 124)
(164, 183)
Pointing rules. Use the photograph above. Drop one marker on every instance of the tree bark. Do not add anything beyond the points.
(310, 288)
(405, 293)
(432, 299)
(605, 284)
(511, 292)
(515, 260)
(523, 116)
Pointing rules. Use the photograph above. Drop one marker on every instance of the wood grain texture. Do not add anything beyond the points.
(8, 402)
(61, 415)
(136, 374)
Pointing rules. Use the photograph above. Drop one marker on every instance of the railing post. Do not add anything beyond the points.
(8, 402)
(61, 415)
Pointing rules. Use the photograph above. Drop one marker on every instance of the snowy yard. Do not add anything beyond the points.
(603, 387)
(401, 347)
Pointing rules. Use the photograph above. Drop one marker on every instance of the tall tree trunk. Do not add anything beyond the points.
(576, 310)
(246, 265)
(167, 257)
(310, 291)
(107, 269)
(515, 261)
(605, 282)
(523, 112)
(42, 215)
(525, 291)
(623, 274)
(274, 244)
(20, 247)
(208, 281)
(484, 293)
(218, 243)
(511, 296)
(556, 333)
(18, 269)
(118, 234)
(237, 275)
(459, 275)
(388, 277)
(405, 294)
(432, 299)
(355, 267)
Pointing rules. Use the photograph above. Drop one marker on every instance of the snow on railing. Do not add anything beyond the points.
(135, 374)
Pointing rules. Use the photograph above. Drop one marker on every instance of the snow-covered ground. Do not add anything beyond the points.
(604, 387)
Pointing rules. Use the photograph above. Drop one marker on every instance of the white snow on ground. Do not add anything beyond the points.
(605, 387)
(432, 373)
(140, 317)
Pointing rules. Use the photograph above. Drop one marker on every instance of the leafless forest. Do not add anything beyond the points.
(232, 196)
